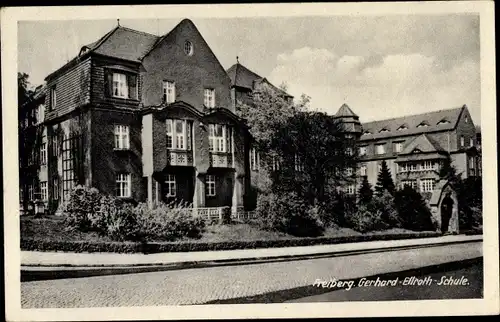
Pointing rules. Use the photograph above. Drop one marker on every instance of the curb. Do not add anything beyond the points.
(49, 272)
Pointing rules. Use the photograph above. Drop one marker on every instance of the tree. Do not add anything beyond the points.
(314, 153)
(413, 210)
(449, 173)
(384, 180)
(365, 191)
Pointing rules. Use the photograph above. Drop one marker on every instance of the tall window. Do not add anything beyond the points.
(362, 150)
(43, 191)
(168, 92)
(68, 166)
(40, 113)
(471, 142)
(123, 185)
(398, 147)
(120, 86)
(299, 165)
(351, 189)
(55, 147)
(219, 138)
(210, 185)
(254, 159)
(43, 151)
(122, 139)
(209, 97)
(171, 185)
(380, 148)
(427, 165)
(55, 188)
(462, 141)
(471, 162)
(362, 170)
(427, 185)
(275, 163)
(179, 134)
(53, 98)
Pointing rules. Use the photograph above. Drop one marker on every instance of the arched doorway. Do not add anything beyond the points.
(444, 208)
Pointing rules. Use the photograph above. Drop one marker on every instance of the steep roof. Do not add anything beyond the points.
(243, 77)
(413, 124)
(124, 43)
(345, 111)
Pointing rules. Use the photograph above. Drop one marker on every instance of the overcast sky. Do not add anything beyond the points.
(381, 67)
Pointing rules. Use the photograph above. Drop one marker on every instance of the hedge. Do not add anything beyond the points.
(150, 248)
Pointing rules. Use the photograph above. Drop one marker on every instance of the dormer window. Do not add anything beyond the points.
(384, 130)
(367, 133)
(188, 48)
(443, 121)
(403, 128)
(423, 124)
(466, 119)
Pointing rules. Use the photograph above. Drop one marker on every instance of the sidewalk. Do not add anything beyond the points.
(31, 260)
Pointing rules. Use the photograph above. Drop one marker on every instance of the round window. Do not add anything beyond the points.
(188, 48)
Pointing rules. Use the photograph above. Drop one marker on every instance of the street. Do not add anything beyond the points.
(251, 283)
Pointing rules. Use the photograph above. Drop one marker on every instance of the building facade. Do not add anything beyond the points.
(154, 118)
(144, 118)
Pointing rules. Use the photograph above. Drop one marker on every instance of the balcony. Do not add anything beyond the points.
(221, 160)
(180, 158)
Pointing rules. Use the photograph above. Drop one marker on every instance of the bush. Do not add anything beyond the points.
(168, 222)
(287, 213)
(82, 204)
(413, 211)
(118, 221)
(366, 219)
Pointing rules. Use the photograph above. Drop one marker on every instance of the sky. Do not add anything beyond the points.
(381, 66)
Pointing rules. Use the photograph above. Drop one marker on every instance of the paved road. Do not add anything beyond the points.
(206, 285)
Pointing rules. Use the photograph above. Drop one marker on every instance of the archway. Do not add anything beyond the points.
(444, 208)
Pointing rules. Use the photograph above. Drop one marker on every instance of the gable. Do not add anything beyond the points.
(191, 71)
(421, 144)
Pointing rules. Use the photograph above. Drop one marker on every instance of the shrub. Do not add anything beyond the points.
(83, 202)
(366, 220)
(287, 213)
(168, 222)
(413, 211)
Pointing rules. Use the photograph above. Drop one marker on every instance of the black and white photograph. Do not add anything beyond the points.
(250, 160)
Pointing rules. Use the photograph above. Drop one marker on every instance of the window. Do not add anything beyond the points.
(428, 165)
(53, 98)
(275, 163)
(462, 141)
(179, 134)
(348, 171)
(68, 165)
(443, 121)
(188, 48)
(402, 167)
(398, 147)
(209, 97)
(427, 185)
(299, 166)
(409, 183)
(55, 147)
(351, 189)
(384, 130)
(362, 170)
(466, 119)
(122, 140)
(423, 124)
(380, 148)
(31, 194)
(43, 191)
(362, 150)
(168, 92)
(367, 133)
(254, 159)
(123, 185)
(471, 162)
(210, 184)
(170, 185)
(219, 138)
(43, 152)
(471, 142)
(402, 128)
(120, 86)
(412, 167)
(55, 188)
(348, 151)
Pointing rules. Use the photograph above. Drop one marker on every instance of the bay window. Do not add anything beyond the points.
(219, 138)
(179, 134)
(426, 185)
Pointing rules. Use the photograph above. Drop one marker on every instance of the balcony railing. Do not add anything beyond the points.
(180, 158)
(221, 160)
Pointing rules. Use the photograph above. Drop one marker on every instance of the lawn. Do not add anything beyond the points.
(53, 228)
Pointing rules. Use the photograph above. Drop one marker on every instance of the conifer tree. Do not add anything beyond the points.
(365, 192)
(384, 180)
